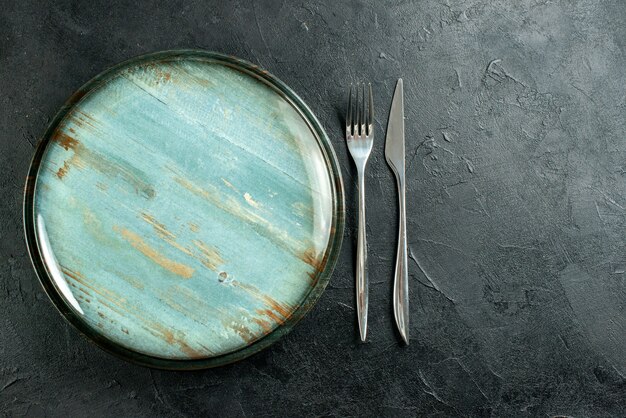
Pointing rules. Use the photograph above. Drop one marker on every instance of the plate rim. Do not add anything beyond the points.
(330, 257)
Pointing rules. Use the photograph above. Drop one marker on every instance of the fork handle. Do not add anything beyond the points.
(401, 282)
(361, 263)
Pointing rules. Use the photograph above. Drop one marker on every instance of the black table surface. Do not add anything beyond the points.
(516, 168)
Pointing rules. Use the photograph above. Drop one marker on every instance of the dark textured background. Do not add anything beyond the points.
(516, 167)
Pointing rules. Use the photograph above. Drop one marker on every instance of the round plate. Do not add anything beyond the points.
(184, 209)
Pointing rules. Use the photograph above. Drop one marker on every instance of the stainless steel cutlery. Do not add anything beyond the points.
(360, 138)
(394, 153)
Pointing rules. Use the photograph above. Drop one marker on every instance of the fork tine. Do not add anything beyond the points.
(357, 127)
(360, 109)
(349, 121)
(366, 114)
(370, 112)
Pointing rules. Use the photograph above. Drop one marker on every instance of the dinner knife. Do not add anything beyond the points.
(394, 153)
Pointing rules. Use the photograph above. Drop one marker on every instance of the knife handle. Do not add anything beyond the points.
(401, 281)
(361, 264)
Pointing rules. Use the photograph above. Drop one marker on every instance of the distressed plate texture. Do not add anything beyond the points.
(184, 209)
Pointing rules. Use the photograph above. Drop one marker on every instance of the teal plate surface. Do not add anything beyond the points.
(184, 209)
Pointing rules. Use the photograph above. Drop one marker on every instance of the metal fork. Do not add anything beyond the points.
(360, 138)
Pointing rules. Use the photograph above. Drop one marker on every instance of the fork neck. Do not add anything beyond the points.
(360, 167)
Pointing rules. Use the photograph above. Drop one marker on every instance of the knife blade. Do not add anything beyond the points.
(395, 156)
